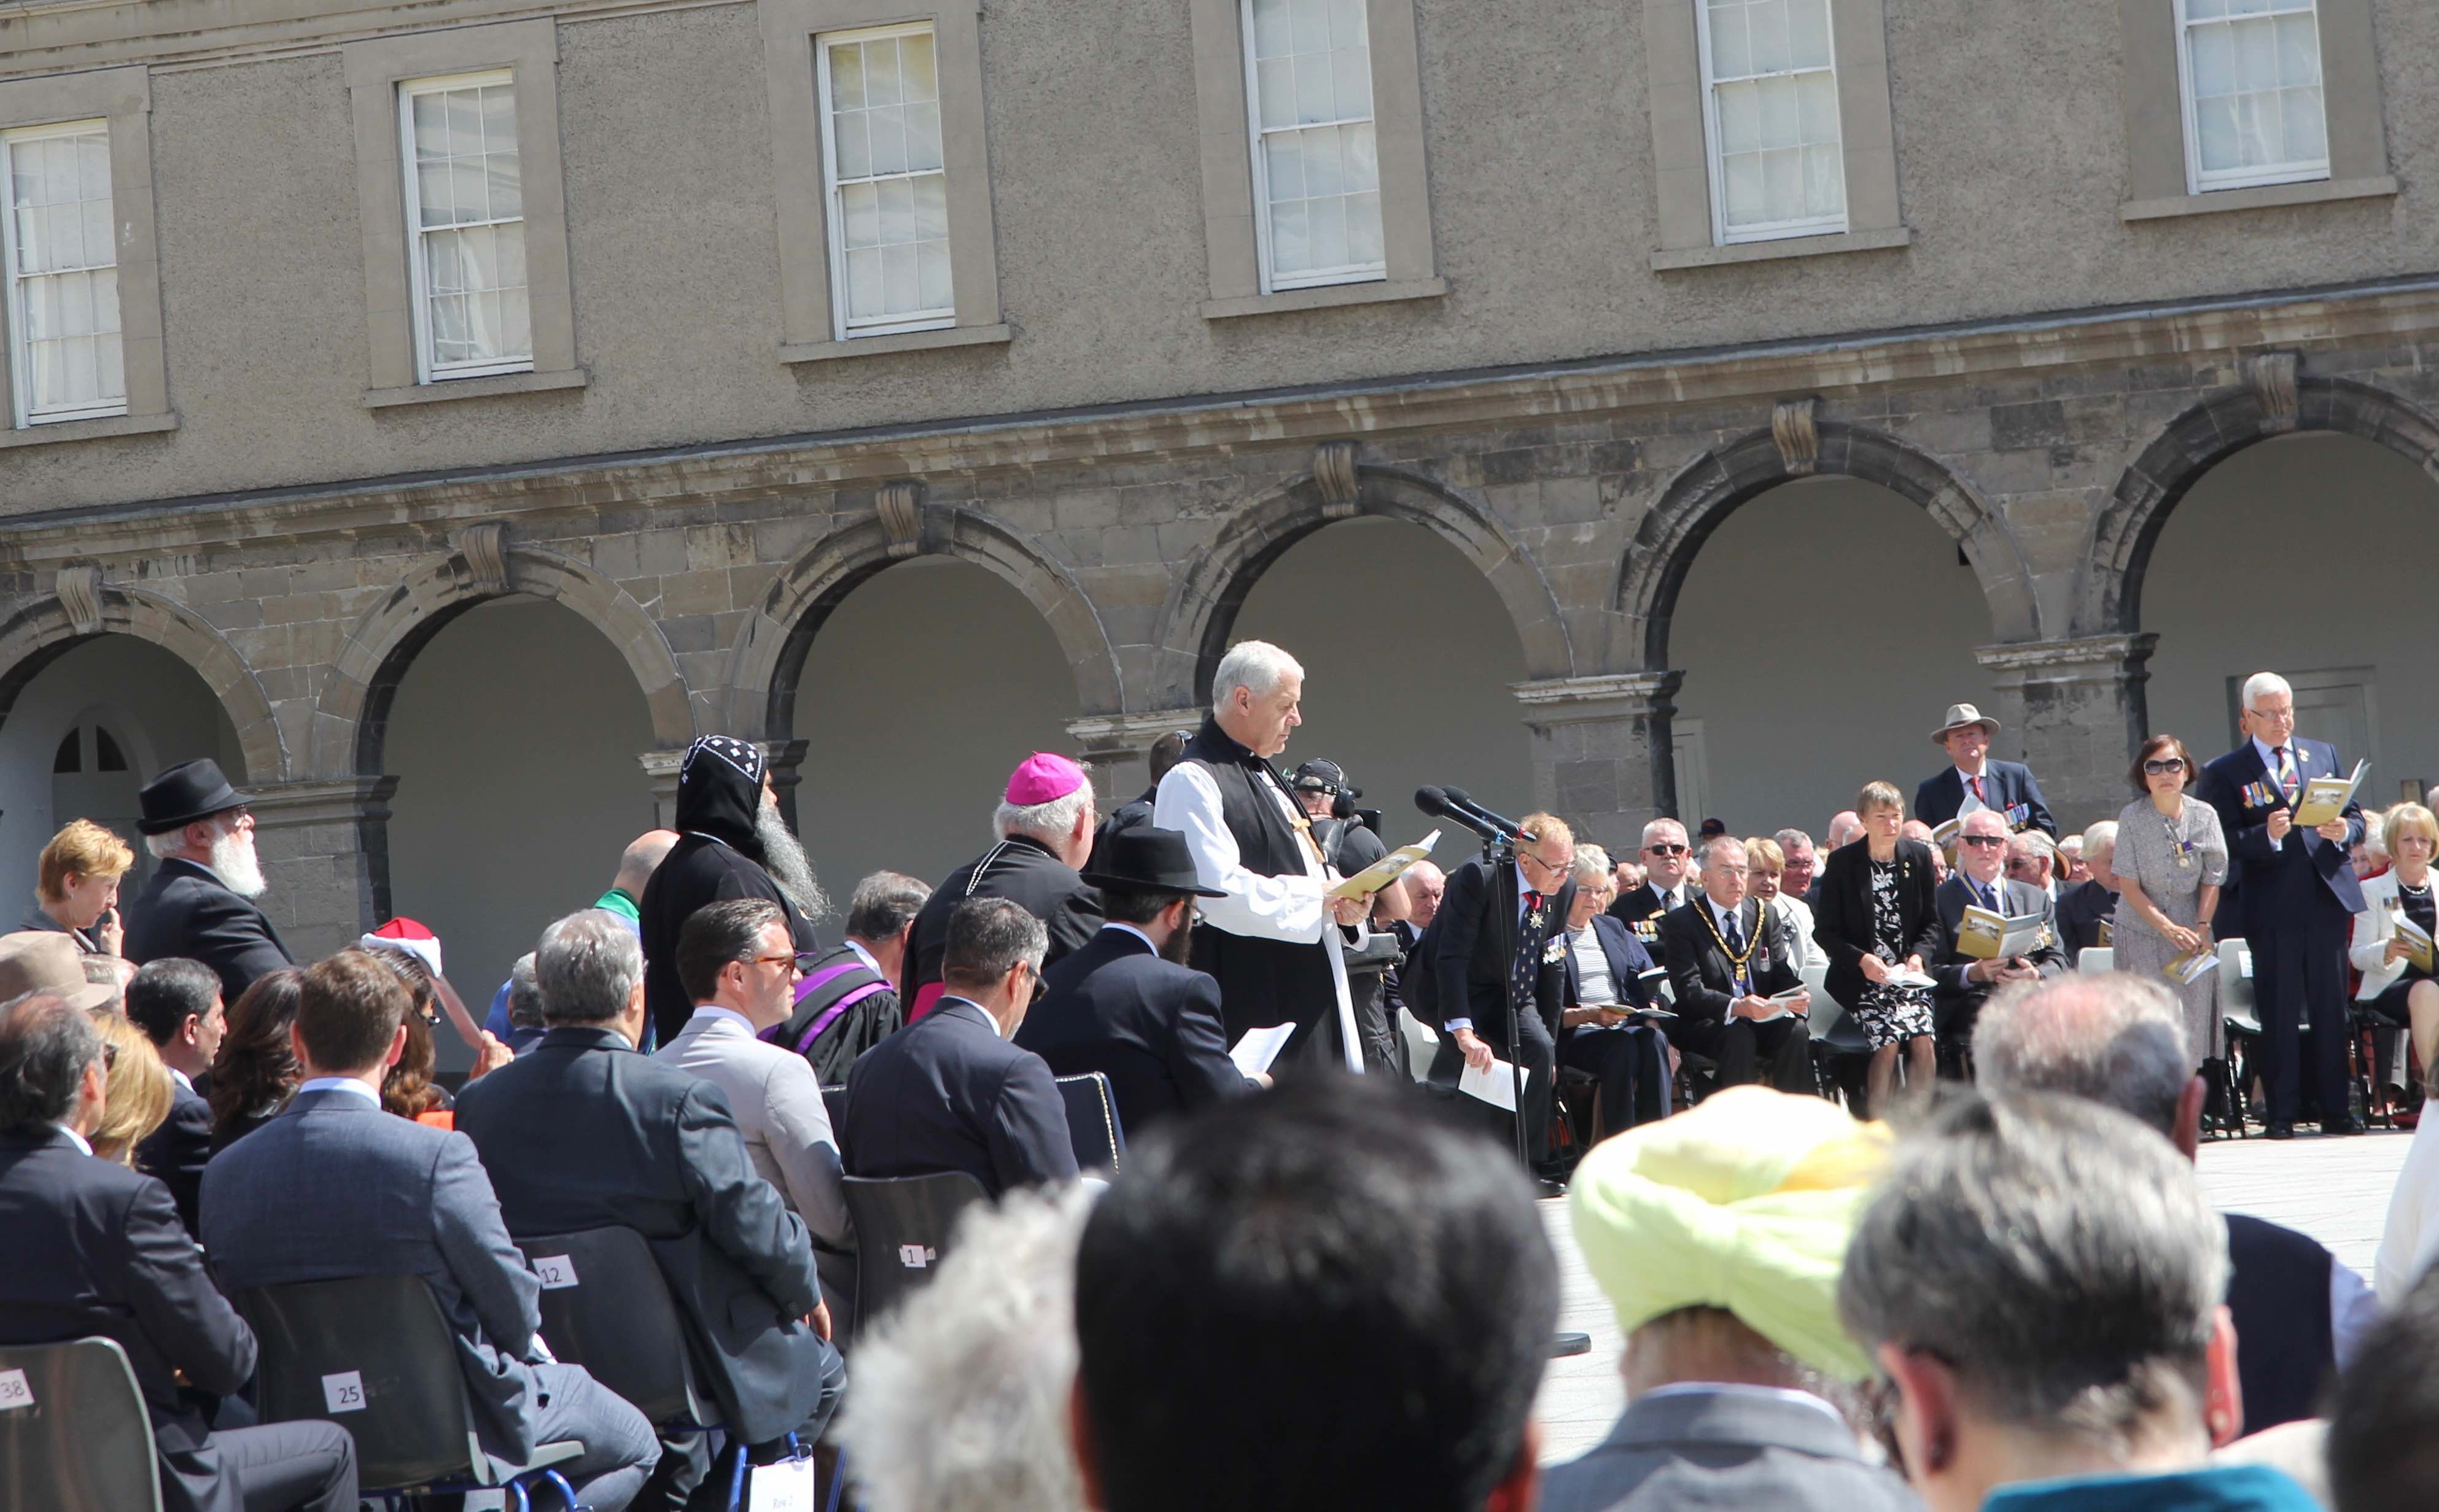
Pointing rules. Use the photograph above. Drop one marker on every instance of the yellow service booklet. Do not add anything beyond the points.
(2324, 799)
(1986, 936)
(2186, 969)
(1386, 870)
(2417, 944)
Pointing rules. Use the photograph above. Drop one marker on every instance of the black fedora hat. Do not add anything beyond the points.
(188, 792)
(1141, 858)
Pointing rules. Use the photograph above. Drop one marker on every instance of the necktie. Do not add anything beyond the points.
(1977, 792)
(1528, 951)
(1989, 897)
(1735, 936)
(2286, 782)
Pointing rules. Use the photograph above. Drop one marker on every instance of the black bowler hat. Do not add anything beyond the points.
(188, 792)
(1140, 859)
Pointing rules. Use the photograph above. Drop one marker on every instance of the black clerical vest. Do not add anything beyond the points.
(1262, 981)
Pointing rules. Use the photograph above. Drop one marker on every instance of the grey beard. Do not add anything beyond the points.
(784, 858)
(235, 863)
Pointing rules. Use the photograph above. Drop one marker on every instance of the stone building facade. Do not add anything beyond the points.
(2044, 362)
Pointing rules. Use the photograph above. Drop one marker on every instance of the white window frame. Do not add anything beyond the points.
(2198, 181)
(426, 371)
(844, 326)
(1714, 149)
(1324, 278)
(19, 331)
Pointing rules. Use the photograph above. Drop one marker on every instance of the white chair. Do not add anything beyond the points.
(2235, 985)
(2096, 958)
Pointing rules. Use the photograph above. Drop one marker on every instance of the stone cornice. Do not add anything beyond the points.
(795, 465)
(2086, 659)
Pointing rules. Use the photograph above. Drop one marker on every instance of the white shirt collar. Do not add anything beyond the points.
(1132, 929)
(2269, 754)
(980, 1012)
(340, 1084)
(184, 1080)
(1722, 1388)
(1723, 915)
(74, 1138)
(1963, 776)
(867, 957)
(714, 1013)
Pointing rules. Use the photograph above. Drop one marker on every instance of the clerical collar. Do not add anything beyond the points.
(1230, 748)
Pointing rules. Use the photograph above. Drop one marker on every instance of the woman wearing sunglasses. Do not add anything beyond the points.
(2171, 859)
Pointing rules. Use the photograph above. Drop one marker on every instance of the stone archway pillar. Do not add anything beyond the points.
(1603, 755)
(324, 851)
(1116, 749)
(2075, 709)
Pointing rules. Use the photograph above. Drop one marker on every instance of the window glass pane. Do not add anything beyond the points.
(922, 137)
(1363, 247)
(881, 72)
(1808, 33)
(1272, 37)
(1768, 19)
(61, 271)
(918, 70)
(889, 124)
(1739, 117)
(1275, 80)
(1779, 111)
(931, 265)
(1285, 153)
(1731, 57)
(1321, 170)
(1824, 182)
(864, 283)
(1351, 71)
(847, 77)
(860, 205)
(516, 322)
(1316, 96)
(1362, 161)
(2256, 54)
(891, 200)
(1816, 98)
(932, 208)
(1310, 23)
(2215, 132)
(1291, 244)
(2203, 9)
(2214, 62)
(2298, 50)
(1346, 24)
(105, 301)
(898, 277)
(1312, 105)
(2307, 126)
(1741, 178)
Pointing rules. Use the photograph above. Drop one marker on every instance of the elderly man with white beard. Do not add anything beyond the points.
(198, 904)
(733, 844)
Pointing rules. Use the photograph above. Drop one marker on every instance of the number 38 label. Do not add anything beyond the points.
(344, 1392)
(14, 1392)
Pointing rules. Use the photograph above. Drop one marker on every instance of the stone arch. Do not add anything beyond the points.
(350, 719)
(41, 631)
(770, 654)
(1714, 485)
(2200, 440)
(1202, 601)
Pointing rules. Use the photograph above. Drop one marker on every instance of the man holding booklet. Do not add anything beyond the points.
(1992, 929)
(2291, 893)
(1738, 998)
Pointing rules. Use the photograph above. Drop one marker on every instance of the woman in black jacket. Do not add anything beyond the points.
(1879, 916)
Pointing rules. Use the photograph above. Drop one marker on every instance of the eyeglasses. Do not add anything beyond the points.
(793, 961)
(2161, 765)
(1667, 849)
(1981, 840)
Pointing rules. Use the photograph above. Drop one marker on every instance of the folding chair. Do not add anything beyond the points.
(1092, 1122)
(902, 1225)
(73, 1434)
(2243, 1026)
(2094, 959)
(1837, 1039)
(375, 1355)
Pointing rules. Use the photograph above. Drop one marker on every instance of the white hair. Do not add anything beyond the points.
(1254, 665)
(1714, 845)
(1593, 866)
(170, 842)
(2032, 842)
(990, 1354)
(1660, 826)
(2099, 837)
(1051, 822)
(2262, 684)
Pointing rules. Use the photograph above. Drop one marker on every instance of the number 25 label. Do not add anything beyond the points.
(344, 1392)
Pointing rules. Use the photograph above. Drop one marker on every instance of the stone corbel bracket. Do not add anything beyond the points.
(2272, 377)
(899, 504)
(1333, 472)
(79, 591)
(1795, 429)
(486, 549)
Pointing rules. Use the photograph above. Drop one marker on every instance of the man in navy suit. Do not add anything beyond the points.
(953, 1091)
(177, 1004)
(2005, 786)
(1966, 982)
(1125, 1005)
(2293, 895)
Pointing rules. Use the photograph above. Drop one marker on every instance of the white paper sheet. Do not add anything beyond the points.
(1254, 1053)
(1901, 977)
(1496, 1085)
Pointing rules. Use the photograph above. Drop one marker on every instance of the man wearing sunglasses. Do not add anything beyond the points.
(1965, 981)
(1666, 859)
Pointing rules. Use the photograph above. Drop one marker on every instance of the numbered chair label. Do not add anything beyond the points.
(786, 1487)
(344, 1392)
(915, 1256)
(557, 1272)
(14, 1392)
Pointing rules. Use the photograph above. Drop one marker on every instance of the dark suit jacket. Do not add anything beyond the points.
(176, 1151)
(1724, 1448)
(186, 909)
(2006, 786)
(581, 1132)
(1628, 961)
(1949, 964)
(1843, 922)
(1023, 870)
(1150, 1025)
(2080, 914)
(1641, 911)
(2267, 884)
(96, 1248)
(1472, 962)
(1700, 972)
(334, 1188)
(947, 1094)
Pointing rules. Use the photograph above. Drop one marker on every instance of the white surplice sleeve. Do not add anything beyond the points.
(1272, 907)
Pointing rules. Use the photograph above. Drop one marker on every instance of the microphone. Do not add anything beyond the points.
(1508, 828)
(1435, 802)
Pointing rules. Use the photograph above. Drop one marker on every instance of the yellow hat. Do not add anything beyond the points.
(1744, 1203)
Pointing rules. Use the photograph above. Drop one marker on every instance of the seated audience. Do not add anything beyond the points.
(2087, 912)
(2032, 857)
(1801, 879)
(952, 1092)
(584, 1132)
(333, 1188)
(139, 1094)
(76, 887)
(1729, 962)
(177, 1002)
(2383, 1445)
(991, 1350)
(847, 1000)
(2041, 1281)
(1318, 1298)
(1846, 827)
(738, 961)
(1920, 833)
(1666, 888)
(1046, 820)
(1717, 1236)
(1127, 1005)
(1880, 916)
(2118, 1039)
(1966, 979)
(2072, 870)
(1602, 1029)
(95, 1250)
(523, 1006)
(2396, 988)
(1765, 874)
(2371, 855)
(256, 1072)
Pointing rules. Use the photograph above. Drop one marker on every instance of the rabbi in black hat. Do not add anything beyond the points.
(198, 902)
(1126, 1005)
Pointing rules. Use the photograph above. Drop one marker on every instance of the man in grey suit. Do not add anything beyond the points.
(1965, 981)
(1727, 1291)
(335, 1188)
